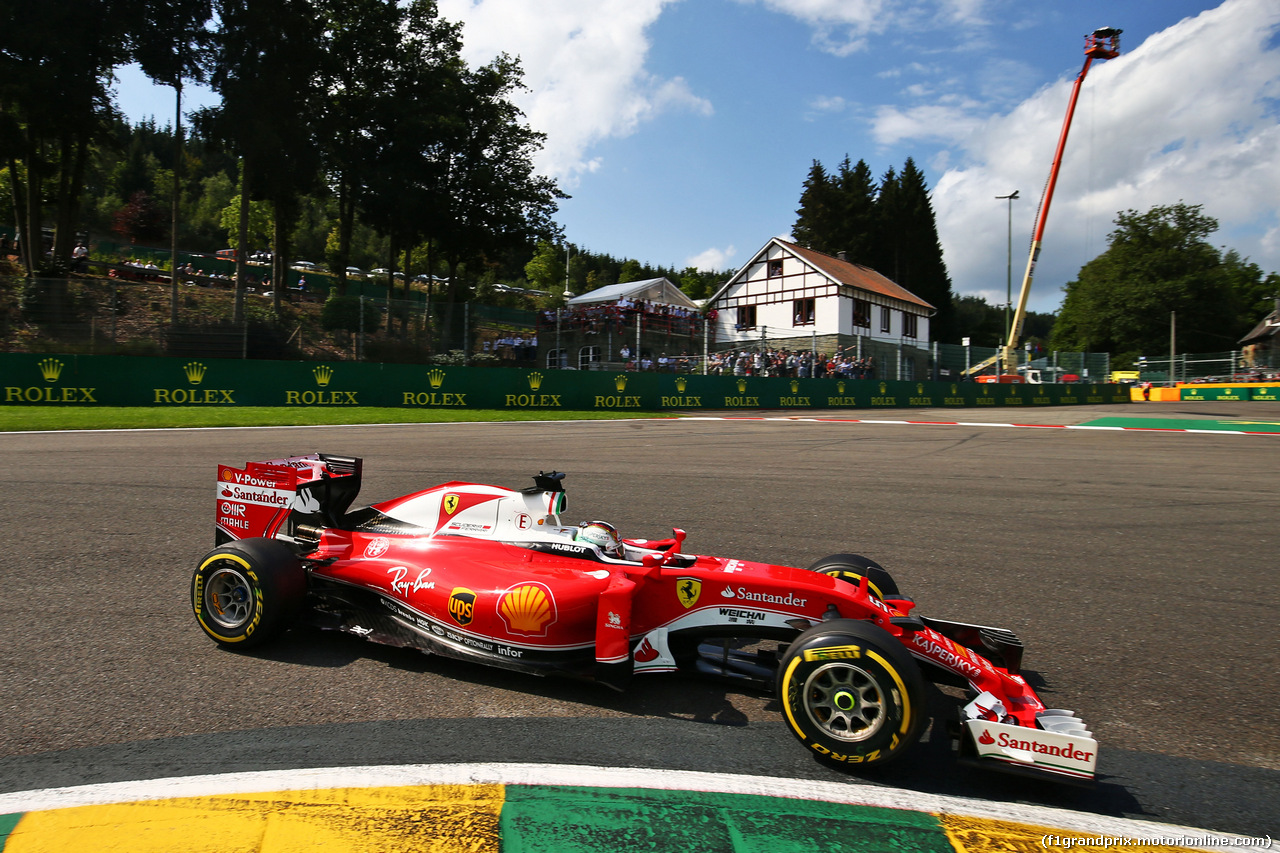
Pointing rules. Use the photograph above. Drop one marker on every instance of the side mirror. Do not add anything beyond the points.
(651, 561)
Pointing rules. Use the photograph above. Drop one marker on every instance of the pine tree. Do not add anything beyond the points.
(912, 253)
(855, 227)
(818, 205)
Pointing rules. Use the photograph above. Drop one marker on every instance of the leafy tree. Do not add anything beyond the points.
(631, 271)
(264, 69)
(546, 270)
(259, 228)
(140, 220)
(56, 61)
(1157, 262)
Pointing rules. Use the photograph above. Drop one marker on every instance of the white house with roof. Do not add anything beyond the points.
(788, 291)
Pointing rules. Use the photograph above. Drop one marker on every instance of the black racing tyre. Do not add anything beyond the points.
(245, 591)
(851, 693)
(853, 567)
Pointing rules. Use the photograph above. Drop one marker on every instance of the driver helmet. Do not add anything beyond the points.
(602, 534)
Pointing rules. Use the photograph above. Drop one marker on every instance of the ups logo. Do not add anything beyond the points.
(462, 605)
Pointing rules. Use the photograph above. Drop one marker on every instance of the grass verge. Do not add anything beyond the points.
(35, 418)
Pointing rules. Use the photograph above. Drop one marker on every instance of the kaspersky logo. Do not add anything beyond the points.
(50, 370)
(194, 372)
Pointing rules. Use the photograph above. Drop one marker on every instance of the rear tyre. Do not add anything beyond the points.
(244, 592)
(853, 567)
(851, 693)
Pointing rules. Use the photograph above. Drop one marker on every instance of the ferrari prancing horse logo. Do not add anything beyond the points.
(450, 504)
(688, 590)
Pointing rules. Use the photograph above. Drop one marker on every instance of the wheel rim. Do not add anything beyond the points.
(228, 598)
(845, 702)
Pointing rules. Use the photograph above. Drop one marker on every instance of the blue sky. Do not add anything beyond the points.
(684, 129)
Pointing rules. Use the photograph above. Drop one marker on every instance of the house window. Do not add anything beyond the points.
(886, 320)
(555, 358)
(746, 317)
(802, 312)
(586, 356)
(775, 268)
(910, 328)
(862, 313)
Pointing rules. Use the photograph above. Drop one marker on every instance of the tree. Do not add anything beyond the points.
(1157, 262)
(546, 269)
(56, 61)
(907, 248)
(838, 214)
(489, 199)
(141, 219)
(890, 228)
(815, 220)
(264, 68)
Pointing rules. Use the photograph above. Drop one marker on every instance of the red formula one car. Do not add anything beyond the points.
(493, 575)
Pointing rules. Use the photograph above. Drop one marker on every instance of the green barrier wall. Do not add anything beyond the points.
(80, 380)
(1242, 392)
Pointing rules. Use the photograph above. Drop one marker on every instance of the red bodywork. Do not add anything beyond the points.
(484, 571)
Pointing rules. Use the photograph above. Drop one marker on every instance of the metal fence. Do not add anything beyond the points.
(119, 317)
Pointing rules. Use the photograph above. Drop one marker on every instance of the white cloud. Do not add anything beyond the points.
(840, 27)
(1188, 115)
(584, 64)
(713, 260)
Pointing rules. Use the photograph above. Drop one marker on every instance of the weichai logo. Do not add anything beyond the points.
(462, 605)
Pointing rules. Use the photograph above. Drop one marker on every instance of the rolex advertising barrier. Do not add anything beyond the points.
(88, 380)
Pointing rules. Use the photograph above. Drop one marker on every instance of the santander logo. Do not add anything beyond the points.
(986, 737)
(645, 652)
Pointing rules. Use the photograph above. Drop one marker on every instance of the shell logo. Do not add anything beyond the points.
(528, 608)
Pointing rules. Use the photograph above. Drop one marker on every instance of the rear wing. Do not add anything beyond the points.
(260, 498)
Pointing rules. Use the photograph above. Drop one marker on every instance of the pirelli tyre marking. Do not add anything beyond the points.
(228, 602)
(245, 592)
(848, 700)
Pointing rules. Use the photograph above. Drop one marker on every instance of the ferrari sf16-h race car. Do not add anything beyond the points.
(493, 575)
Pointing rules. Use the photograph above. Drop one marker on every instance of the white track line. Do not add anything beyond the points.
(977, 424)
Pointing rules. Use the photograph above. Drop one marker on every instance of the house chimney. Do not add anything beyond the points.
(842, 255)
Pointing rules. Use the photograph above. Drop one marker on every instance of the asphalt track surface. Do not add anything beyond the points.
(1139, 567)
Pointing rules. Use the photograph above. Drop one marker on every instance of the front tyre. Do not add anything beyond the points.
(853, 567)
(244, 592)
(851, 693)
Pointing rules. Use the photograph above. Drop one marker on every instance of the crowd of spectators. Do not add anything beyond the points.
(620, 316)
(798, 364)
(509, 347)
